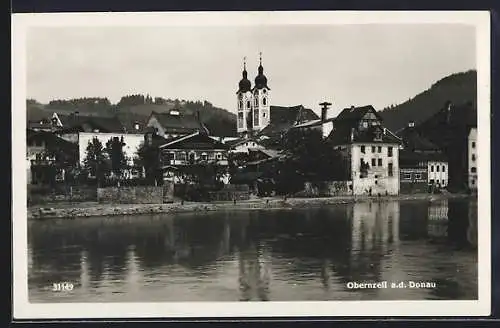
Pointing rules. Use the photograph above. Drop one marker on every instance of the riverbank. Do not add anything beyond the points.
(92, 209)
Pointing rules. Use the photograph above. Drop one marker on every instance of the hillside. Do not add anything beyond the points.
(458, 88)
(137, 108)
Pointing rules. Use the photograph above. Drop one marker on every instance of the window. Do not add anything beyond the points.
(379, 150)
(170, 156)
(181, 156)
(389, 151)
(431, 181)
(407, 176)
(373, 149)
(473, 144)
(249, 104)
(264, 114)
(264, 101)
(390, 169)
(218, 156)
(432, 168)
(380, 162)
(204, 156)
(473, 169)
(418, 176)
(373, 162)
(442, 182)
(473, 157)
(363, 149)
(437, 168)
(192, 157)
(443, 168)
(473, 182)
(264, 91)
(256, 102)
(241, 104)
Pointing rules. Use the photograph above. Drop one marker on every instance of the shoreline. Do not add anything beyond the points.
(82, 210)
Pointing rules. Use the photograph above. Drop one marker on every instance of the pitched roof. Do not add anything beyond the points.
(50, 138)
(73, 122)
(341, 134)
(180, 122)
(195, 140)
(414, 141)
(410, 158)
(283, 118)
(356, 113)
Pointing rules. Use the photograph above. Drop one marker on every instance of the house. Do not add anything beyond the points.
(372, 151)
(243, 145)
(452, 130)
(419, 154)
(175, 124)
(324, 124)
(196, 149)
(42, 150)
(82, 129)
(472, 156)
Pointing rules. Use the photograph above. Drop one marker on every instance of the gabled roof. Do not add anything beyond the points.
(283, 118)
(51, 139)
(357, 113)
(414, 141)
(73, 122)
(180, 122)
(408, 158)
(341, 135)
(237, 142)
(195, 141)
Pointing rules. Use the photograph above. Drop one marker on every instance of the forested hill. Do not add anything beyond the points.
(137, 107)
(459, 88)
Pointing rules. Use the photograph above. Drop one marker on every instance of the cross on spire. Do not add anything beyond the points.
(245, 63)
(260, 57)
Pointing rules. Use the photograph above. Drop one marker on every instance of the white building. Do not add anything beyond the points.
(372, 151)
(437, 172)
(132, 142)
(472, 158)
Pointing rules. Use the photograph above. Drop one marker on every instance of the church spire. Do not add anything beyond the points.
(260, 79)
(244, 85)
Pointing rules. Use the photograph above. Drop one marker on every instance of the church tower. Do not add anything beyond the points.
(261, 92)
(244, 105)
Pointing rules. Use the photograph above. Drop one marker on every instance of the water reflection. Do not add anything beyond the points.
(299, 254)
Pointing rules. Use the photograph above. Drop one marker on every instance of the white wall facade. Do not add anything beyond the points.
(379, 180)
(132, 143)
(437, 173)
(327, 128)
(244, 106)
(472, 158)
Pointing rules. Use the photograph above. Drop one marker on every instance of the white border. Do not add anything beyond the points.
(22, 309)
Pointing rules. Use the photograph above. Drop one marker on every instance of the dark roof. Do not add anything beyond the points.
(89, 123)
(50, 138)
(356, 113)
(179, 123)
(236, 142)
(414, 141)
(283, 118)
(196, 140)
(409, 158)
(341, 135)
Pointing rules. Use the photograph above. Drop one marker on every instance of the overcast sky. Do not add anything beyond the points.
(346, 65)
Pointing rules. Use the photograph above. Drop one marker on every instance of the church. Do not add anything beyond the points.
(256, 117)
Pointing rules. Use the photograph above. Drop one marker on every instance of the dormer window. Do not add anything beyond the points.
(264, 91)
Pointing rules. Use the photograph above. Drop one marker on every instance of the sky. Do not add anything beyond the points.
(305, 64)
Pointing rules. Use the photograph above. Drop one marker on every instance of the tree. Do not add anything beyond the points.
(95, 161)
(148, 158)
(114, 149)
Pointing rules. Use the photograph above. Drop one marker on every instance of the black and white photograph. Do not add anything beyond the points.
(223, 163)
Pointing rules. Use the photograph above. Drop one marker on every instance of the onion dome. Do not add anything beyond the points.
(261, 79)
(245, 84)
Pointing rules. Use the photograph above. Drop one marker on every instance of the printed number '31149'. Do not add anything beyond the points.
(62, 287)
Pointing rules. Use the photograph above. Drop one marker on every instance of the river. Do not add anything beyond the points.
(260, 255)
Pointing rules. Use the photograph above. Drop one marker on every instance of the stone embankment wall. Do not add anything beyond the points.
(325, 189)
(131, 195)
(71, 194)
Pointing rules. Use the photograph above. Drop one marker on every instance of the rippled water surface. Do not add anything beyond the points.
(273, 255)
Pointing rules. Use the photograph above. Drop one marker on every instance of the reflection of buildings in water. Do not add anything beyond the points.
(326, 274)
(84, 270)
(133, 277)
(254, 274)
(472, 228)
(437, 224)
(374, 225)
(375, 231)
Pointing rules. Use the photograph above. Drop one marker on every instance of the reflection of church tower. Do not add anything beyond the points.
(261, 115)
(244, 96)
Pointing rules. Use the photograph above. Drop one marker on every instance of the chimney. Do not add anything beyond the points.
(411, 124)
(352, 108)
(324, 110)
(136, 126)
